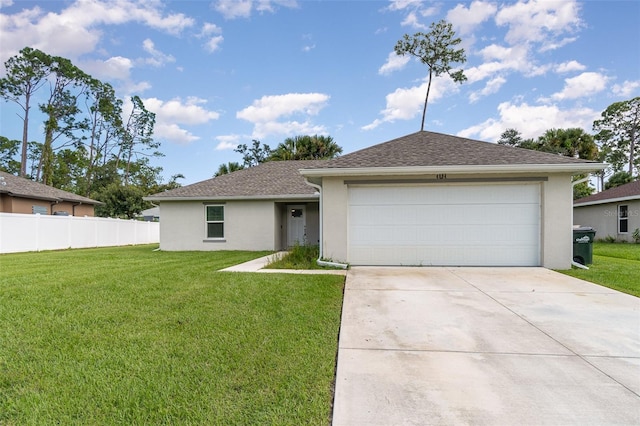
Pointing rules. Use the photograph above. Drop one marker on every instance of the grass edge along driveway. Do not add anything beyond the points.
(132, 336)
(615, 265)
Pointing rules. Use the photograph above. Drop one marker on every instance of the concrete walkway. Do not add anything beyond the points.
(258, 265)
(489, 346)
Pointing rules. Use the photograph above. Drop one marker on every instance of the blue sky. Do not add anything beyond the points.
(219, 73)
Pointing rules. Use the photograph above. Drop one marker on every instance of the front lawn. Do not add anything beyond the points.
(132, 336)
(615, 265)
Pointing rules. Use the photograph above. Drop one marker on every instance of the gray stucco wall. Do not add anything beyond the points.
(604, 219)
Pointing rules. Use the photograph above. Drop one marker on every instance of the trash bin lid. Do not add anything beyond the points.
(583, 228)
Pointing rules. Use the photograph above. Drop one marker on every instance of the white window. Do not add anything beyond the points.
(623, 219)
(215, 221)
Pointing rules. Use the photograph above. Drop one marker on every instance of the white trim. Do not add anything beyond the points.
(457, 169)
(607, 201)
(220, 198)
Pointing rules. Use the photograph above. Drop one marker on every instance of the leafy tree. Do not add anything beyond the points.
(436, 49)
(255, 154)
(8, 151)
(104, 126)
(137, 137)
(121, 201)
(617, 179)
(306, 148)
(61, 109)
(574, 142)
(513, 137)
(227, 168)
(26, 73)
(619, 130)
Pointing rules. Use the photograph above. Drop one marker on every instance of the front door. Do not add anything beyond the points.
(296, 225)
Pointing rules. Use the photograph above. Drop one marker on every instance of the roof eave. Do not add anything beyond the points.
(455, 169)
(607, 201)
(286, 197)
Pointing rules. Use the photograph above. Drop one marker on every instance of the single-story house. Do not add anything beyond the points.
(266, 207)
(20, 195)
(613, 213)
(422, 199)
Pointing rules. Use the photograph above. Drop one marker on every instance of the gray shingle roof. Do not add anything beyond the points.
(629, 190)
(271, 179)
(25, 188)
(423, 149)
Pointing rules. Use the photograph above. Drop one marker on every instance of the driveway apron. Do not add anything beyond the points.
(493, 346)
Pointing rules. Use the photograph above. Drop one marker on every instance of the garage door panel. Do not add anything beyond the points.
(436, 225)
(444, 195)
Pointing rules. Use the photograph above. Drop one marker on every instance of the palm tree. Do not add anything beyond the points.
(315, 147)
(230, 167)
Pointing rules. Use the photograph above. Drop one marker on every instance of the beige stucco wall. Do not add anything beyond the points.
(248, 225)
(556, 228)
(25, 206)
(604, 219)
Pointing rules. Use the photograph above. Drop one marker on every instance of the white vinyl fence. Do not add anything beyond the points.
(34, 232)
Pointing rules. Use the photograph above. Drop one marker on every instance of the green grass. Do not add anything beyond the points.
(299, 257)
(133, 336)
(615, 265)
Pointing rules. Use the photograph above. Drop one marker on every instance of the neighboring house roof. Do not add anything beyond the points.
(20, 187)
(628, 191)
(270, 180)
(437, 151)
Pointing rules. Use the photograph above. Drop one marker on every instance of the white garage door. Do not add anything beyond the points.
(456, 225)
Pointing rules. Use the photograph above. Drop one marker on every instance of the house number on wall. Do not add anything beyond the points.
(441, 176)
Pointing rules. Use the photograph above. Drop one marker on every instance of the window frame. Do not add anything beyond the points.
(207, 222)
(623, 218)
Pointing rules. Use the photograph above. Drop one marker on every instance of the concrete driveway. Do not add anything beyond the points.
(495, 346)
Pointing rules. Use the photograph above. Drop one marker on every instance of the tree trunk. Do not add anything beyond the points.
(25, 137)
(426, 98)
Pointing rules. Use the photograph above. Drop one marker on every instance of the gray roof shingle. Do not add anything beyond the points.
(25, 188)
(271, 179)
(424, 149)
(629, 190)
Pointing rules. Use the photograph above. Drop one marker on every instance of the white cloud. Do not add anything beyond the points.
(585, 84)
(6, 3)
(269, 108)
(467, 19)
(407, 103)
(394, 63)
(114, 68)
(213, 43)
(209, 28)
(169, 114)
(492, 86)
(224, 145)
(268, 112)
(411, 20)
(626, 89)
(500, 59)
(403, 4)
(76, 30)
(531, 121)
(308, 48)
(157, 58)
(557, 45)
(539, 20)
(569, 66)
(232, 9)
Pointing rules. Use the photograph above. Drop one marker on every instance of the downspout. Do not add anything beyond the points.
(321, 262)
(573, 184)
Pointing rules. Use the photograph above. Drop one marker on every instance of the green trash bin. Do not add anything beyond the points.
(583, 244)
